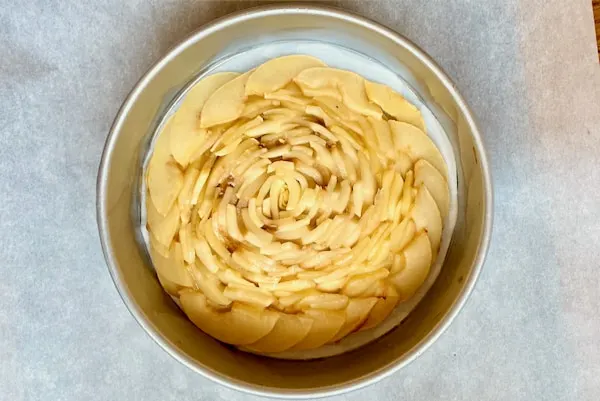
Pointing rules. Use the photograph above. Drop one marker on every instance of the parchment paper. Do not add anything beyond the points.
(528, 68)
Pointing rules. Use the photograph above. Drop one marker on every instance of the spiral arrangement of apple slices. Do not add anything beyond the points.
(294, 204)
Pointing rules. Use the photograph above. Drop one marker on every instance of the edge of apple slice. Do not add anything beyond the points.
(426, 174)
(287, 332)
(162, 228)
(350, 85)
(426, 215)
(172, 268)
(382, 308)
(415, 143)
(278, 72)
(394, 104)
(241, 325)
(226, 103)
(326, 323)
(356, 313)
(164, 181)
(186, 134)
(418, 258)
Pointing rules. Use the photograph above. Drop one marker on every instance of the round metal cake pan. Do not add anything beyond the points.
(118, 215)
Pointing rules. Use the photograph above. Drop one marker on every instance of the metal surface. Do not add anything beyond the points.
(157, 314)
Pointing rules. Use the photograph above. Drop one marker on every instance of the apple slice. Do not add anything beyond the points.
(164, 180)
(359, 283)
(382, 308)
(417, 145)
(322, 92)
(242, 325)
(226, 103)
(377, 289)
(162, 249)
(426, 174)
(184, 199)
(163, 177)
(383, 134)
(402, 234)
(426, 215)
(356, 313)
(394, 104)
(172, 268)
(333, 105)
(162, 228)
(403, 163)
(418, 258)
(318, 300)
(197, 96)
(287, 332)
(326, 323)
(350, 85)
(170, 287)
(209, 284)
(161, 151)
(278, 72)
(186, 134)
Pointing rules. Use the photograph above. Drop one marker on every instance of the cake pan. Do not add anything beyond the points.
(118, 210)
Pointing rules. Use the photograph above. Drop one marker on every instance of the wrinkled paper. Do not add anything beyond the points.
(530, 72)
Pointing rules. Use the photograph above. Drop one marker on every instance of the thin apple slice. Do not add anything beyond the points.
(322, 92)
(278, 72)
(333, 105)
(169, 286)
(326, 323)
(185, 141)
(198, 95)
(382, 308)
(242, 325)
(287, 332)
(426, 215)
(161, 151)
(164, 180)
(359, 283)
(402, 234)
(383, 134)
(356, 313)
(184, 199)
(209, 284)
(172, 268)
(162, 228)
(350, 85)
(378, 289)
(426, 174)
(162, 249)
(403, 163)
(186, 134)
(418, 257)
(288, 302)
(323, 301)
(417, 145)
(226, 103)
(394, 104)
